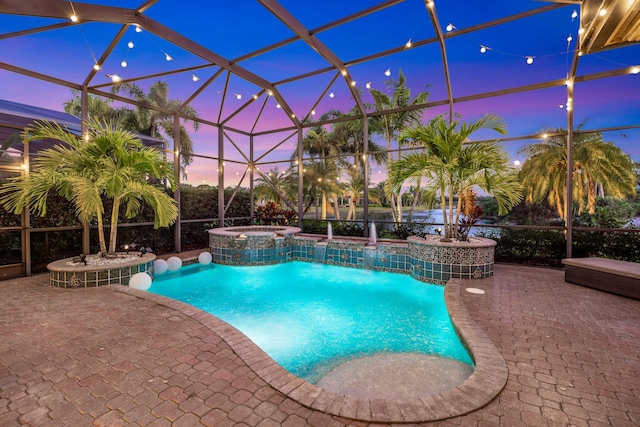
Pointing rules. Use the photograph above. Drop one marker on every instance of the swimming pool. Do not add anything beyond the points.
(311, 318)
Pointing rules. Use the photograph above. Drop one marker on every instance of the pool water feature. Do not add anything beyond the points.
(312, 318)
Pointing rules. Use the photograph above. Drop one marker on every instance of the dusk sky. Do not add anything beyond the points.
(233, 29)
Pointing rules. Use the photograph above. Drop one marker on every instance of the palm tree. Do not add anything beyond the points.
(392, 124)
(599, 168)
(274, 186)
(452, 166)
(112, 164)
(156, 123)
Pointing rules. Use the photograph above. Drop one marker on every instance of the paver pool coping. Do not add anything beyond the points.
(487, 380)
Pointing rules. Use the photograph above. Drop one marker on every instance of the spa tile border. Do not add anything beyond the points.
(487, 380)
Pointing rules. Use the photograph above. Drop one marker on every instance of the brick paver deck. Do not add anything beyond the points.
(101, 357)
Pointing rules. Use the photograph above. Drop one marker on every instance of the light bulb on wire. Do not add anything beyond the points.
(529, 60)
(483, 49)
(450, 27)
(388, 72)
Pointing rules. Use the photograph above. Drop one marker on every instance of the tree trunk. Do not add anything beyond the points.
(103, 245)
(337, 206)
(324, 206)
(416, 196)
(114, 227)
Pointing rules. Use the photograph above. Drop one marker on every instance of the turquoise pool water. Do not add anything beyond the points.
(312, 317)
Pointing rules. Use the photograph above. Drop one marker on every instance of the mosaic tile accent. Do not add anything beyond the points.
(426, 260)
(62, 275)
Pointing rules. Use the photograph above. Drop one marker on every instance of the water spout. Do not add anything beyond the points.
(329, 231)
(372, 234)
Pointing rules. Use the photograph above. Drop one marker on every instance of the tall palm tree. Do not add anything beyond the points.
(392, 124)
(158, 123)
(113, 164)
(452, 166)
(599, 168)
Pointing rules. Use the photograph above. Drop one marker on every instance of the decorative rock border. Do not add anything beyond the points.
(64, 275)
(487, 380)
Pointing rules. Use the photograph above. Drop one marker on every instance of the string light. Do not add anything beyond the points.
(124, 64)
(353, 82)
(368, 85)
(408, 44)
(483, 49)
(278, 106)
(255, 96)
(574, 15)
(313, 112)
(114, 78)
(635, 70)
(130, 45)
(73, 18)
(238, 96)
(388, 72)
(344, 72)
(331, 95)
(194, 77)
(96, 66)
(529, 60)
(602, 12)
(450, 27)
(569, 38)
(168, 57)
(138, 29)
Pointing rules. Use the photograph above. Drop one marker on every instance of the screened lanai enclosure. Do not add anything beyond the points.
(295, 109)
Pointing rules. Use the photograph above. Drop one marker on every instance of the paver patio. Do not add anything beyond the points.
(101, 357)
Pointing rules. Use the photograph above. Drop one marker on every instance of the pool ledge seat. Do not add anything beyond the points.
(609, 275)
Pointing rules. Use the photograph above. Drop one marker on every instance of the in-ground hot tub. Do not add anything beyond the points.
(251, 245)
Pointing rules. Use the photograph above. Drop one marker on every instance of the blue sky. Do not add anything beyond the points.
(233, 29)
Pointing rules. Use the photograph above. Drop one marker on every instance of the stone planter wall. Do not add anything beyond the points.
(65, 274)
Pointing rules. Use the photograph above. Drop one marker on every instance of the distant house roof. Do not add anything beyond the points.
(15, 116)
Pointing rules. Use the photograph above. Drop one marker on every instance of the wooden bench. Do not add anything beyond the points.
(609, 275)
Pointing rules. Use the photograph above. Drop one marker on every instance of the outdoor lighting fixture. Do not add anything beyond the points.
(194, 77)
(581, 30)
(344, 72)
(353, 82)
(635, 70)
(278, 106)
(574, 15)
(123, 64)
(560, 105)
(238, 96)
(130, 45)
(368, 85)
(569, 38)
(408, 44)
(73, 18)
(114, 77)
(96, 67)
(529, 60)
(439, 231)
(388, 72)
(545, 136)
(450, 27)
(331, 95)
(313, 112)
(270, 93)
(138, 29)
(293, 116)
(255, 96)
(168, 57)
(602, 12)
(483, 49)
